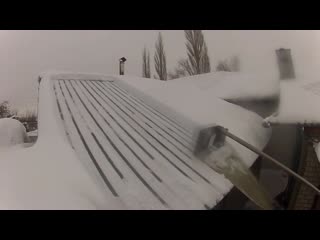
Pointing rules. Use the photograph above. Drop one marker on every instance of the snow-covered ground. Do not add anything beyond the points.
(49, 175)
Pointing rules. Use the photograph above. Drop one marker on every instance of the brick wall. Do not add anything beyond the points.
(303, 196)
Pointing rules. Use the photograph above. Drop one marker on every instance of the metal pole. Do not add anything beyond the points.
(257, 151)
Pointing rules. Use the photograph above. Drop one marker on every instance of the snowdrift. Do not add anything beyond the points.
(224, 85)
(298, 103)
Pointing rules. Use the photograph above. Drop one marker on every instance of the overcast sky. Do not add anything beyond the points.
(25, 54)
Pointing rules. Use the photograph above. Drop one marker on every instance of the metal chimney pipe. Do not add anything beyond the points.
(285, 64)
(121, 65)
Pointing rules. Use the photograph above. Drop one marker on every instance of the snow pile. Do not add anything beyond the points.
(299, 103)
(12, 132)
(225, 85)
(233, 85)
(317, 150)
(49, 175)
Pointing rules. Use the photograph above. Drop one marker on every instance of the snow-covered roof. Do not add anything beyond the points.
(299, 103)
(107, 144)
(224, 85)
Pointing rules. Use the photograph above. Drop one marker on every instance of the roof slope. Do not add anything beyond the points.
(298, 103)
(143, 157)
(105, 145)
(234, 86)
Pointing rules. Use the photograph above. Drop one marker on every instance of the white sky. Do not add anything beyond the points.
(25, 54)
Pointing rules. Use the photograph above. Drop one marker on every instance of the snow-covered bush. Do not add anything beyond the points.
(12, 132)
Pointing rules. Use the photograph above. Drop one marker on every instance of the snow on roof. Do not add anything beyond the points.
(225, 85)
(299, 103)
(49, 175)
(192, 109)
(107, 144)
(144, 158)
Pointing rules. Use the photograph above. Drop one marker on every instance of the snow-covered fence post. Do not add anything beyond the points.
(285, 64)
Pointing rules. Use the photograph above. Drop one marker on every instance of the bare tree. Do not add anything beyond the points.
(4, 109)
(160, 59)
(183, 69)
(205, 60)
(198, 60)
(146, 72)
(235, 64)
(177, 73)
(197, 52)
(148, 65)
(223, 66)
(28, 116)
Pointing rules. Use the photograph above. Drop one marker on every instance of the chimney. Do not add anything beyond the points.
(121, 65)
(285, 64)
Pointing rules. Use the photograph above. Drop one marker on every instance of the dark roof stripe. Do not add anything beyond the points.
(168, 148)
(103, 176)
(121, 139)
(108, 100)
(185, 142)
(156, 112)
(161, 129)
(117, 150)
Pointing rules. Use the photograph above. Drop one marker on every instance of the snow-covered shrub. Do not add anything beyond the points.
(12, 132)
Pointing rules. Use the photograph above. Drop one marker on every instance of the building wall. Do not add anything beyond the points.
(235, 199)
(303, 197)
(284, 145)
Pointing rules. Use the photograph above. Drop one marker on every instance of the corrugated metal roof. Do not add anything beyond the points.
(143, 157)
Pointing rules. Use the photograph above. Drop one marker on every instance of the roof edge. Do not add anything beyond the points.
(55, 75)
